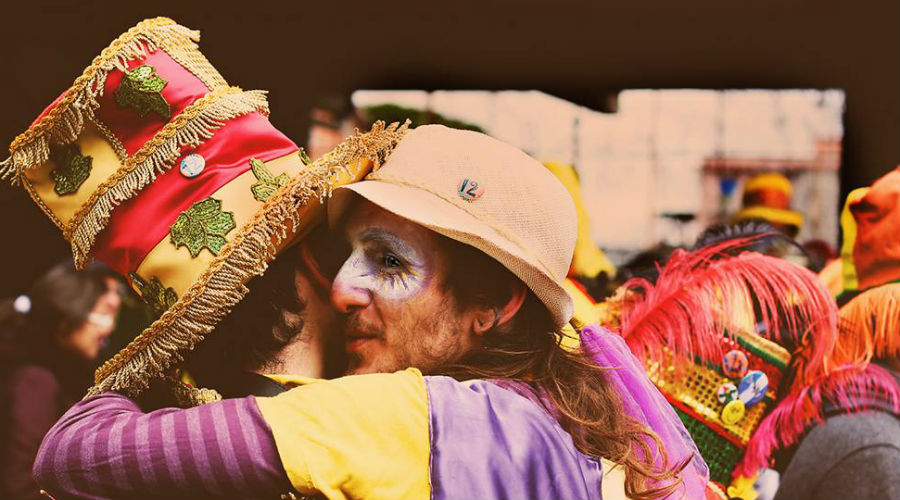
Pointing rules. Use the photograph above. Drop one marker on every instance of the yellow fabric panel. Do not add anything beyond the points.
(104, 163)
(588, 261)
(290, 380)
(613, 484)
(586, 313)
(175, 267)
(848, 227)
(832, 276)
(363, 436)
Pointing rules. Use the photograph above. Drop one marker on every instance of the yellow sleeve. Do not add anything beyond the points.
(363, 436)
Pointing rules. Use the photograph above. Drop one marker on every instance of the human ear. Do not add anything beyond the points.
(312, 266)
(487, 318)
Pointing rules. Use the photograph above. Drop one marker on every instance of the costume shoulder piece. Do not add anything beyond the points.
(153, 164)
(445, 439)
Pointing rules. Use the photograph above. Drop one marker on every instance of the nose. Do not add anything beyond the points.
(346, 294)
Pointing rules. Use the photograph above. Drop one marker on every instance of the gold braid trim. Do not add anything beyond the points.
(196, 124)
(187, 396)
(65, 122)
(222, 285)
(40, 203)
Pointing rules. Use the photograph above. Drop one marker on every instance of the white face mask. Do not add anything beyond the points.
(101, 320)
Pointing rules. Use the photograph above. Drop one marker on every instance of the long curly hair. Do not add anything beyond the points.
(528, 349)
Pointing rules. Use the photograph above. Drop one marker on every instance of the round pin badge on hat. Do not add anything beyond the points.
(727, 392)
(733, 412)
(192, 165)
(470, 189)
(735, 364)
(753, 387)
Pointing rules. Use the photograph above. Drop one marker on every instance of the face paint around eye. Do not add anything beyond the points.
(386, 266)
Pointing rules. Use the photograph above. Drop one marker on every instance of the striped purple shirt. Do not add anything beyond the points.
(106, 447)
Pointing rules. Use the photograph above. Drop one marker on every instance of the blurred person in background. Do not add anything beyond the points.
(50, 340)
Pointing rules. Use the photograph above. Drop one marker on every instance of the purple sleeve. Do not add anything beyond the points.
(106, 447)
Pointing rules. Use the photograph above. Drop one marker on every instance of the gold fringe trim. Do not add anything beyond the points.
(869, 326)
(65, 122)
(196, 124)
(222, 286)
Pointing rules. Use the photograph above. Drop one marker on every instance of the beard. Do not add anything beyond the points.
(428, 343)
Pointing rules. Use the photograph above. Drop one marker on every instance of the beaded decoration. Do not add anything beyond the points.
(155, 295)
(266, 184)
(72, 169)
(141, 90)
(204, 225)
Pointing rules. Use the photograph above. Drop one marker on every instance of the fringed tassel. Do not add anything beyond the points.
(870, 326)
(222, 286)
(7, 169)
(848, 387)
(65, 122)
(192, 127)
(704, 294)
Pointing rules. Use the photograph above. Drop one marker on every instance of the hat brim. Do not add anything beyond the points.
(774, 215)
(433, 212)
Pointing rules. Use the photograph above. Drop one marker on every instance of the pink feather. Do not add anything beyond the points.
(685, 311)
(803, 408)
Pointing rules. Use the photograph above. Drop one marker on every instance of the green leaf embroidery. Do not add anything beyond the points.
(202, 225)
(141, 90)
(158, 297)
(266, 183)
(72, 169)
(304, 157)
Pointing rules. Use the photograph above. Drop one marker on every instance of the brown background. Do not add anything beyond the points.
(303, 51)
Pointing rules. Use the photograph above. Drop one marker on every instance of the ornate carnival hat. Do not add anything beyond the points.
(696, 326)
(153, 164)
(743, 345)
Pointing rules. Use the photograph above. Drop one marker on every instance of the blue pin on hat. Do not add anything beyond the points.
(735, 364)
(753, 387)
(192, 165)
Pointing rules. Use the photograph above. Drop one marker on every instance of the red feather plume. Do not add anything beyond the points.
(850, 387)
(703, 294)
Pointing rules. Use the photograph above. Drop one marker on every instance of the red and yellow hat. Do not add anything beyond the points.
(768, 197)
(153, 164)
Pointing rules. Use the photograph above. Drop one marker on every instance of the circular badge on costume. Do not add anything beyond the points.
(727, 392)
(191, 165)
(753, 387)
(470, 190)
(733, 412)
(735, 364)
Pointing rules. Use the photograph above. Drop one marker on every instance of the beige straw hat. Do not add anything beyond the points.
(482, 192)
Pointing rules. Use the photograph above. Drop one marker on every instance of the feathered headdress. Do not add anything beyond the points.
(704, 295)
(704, 300)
